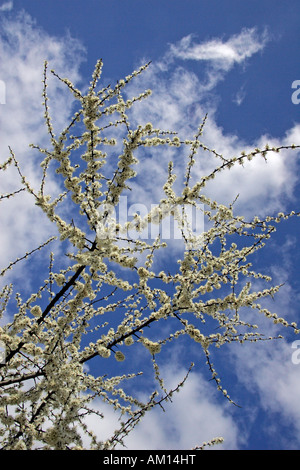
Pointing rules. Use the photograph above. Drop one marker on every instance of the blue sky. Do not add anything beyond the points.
(234, 60)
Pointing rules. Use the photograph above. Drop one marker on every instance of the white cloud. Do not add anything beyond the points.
(239, 96)
(23, 52)
(223, 54)
(7, 6)
(266, 369)
(192, 418)
(179, 103)
(268, 373)
(219, 55)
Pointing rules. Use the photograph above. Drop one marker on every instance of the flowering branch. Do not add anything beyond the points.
(107, 305)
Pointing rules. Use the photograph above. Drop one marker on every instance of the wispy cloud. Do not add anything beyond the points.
(179, 102)
(23, 50)
(222, 54)
(193, 417)
(7, 6)
(240, 96)
(269, 375)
